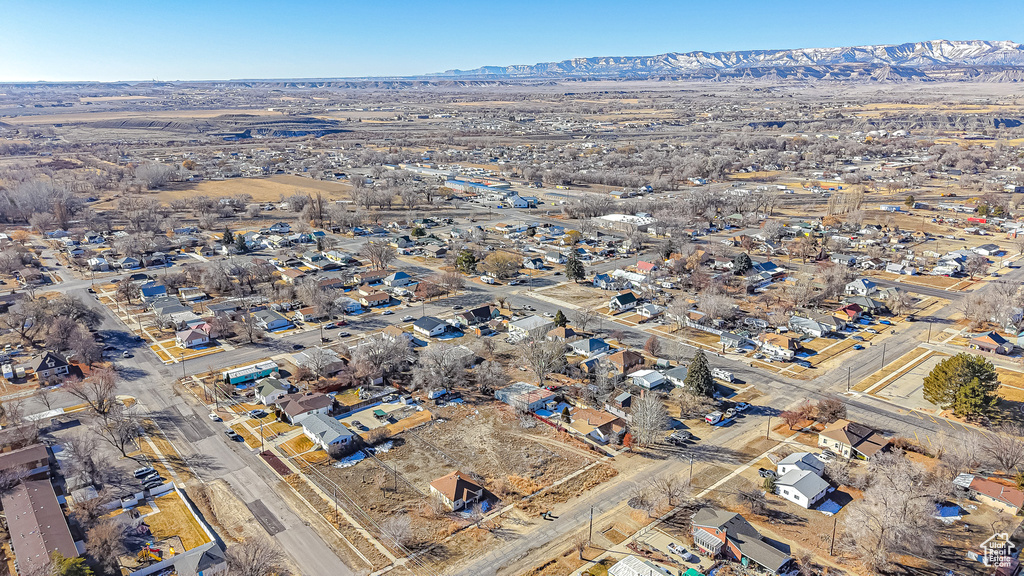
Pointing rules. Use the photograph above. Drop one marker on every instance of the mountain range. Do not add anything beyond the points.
(937, 59)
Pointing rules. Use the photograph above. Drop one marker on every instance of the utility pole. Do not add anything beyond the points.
(883, 354)
(590, 537)
(832, 543)
(768, 430)
(848, 369)
(690, 480)
(929, 332)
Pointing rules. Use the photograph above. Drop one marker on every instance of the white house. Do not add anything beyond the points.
(554, 257)
(398, 279)
(634, 566)
(269, 390)
(861, 287)
(325, 431)
(271, 320)
(648, 379)
(191, 338)
(531, 326)
(800, 461)
(622, 301)
(801, 487)
(429, 326)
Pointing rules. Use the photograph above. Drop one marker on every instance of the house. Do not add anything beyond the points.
(625, 360)
(807, 326)
(720, 534)
(271, 320)
(644, 267)
(620, 405)
(532, 326)
(861, 287)
(600, 426)
(393, 333)
(296, 407)
(779, 345)
(152, 291)
(849, 313)
(677, 375)
(622, 301)
(635, 566)
(869, 305)
(25, 462)
(843, 259)
(456, 490)
(852, 440)
(191, 338)
(319, 360)
(800, 461)
(308, 314)
(326, 432)
(98, 264)
(398, 279)
(589, 347)
(375, 299)
(478, 315)
(36, 525)
(605, 282)
(127, 263)
(553, 257)
(429, 326)
(650, 310)
(563, 333)
(249, 373)
(524, 396)
(648, 379)
(991, 342)
(402, 242)
(993, 493)
(987, 250)
(801, 487)
(292, 275)
(269, 390)
(280, 228)
(534, 263)
(434, 251)
(191, 293)
(371, 276)
(51, 365)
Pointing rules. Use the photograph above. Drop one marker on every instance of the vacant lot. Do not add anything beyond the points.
(269, 189)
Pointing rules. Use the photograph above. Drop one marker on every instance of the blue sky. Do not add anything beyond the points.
(196, 40)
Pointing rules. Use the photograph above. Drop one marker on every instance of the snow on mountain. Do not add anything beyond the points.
(915, 55)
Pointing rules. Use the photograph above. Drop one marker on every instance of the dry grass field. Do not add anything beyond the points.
(269, 189)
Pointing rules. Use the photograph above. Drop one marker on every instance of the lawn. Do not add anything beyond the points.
(296, 445)
(175, 519)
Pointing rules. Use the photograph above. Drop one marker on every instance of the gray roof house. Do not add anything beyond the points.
(801, 487)
(676, 375)
(268, 390)
(807, 326)
(800, 461)
(722, 534)
(589, 347)
(531, 326)
(325, 431)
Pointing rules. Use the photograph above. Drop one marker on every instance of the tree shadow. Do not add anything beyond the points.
(130, 373)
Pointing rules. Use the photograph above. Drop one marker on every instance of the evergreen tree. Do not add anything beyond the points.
(418, 232)
(62, 566)
(228, 238)
(973, 400)
(667, 248)
(560, 320)
(943, 383)
(741, 263)
(466, 262)
(240, 244)
(574, 269)
(698, 376)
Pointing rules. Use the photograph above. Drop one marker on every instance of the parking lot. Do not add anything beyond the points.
(368, 418)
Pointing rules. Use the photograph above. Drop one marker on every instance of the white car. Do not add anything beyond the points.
(827, 455)
(386, 313)
(214, 417)
(407, 318)
(741, 407)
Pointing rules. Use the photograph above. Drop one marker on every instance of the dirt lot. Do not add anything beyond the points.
(269, 189)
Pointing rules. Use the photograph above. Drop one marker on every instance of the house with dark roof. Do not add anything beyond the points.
(27, 461)
(605, 282)
(478, 315)
(51, 366)
(299, 406)
(991, 342)
(563, 333)
(623, 301)
(852, 440)
(726, 535)
(589, 347)
(36, 524)
(456, 490)
(429, 326)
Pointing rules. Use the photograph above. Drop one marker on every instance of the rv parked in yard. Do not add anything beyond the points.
(722, 374)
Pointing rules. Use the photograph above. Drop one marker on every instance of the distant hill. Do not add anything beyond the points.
(938, 59)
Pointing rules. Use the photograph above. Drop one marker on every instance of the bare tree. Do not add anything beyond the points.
(378, 355)
(120, 427)
(828, 410)
(543, 357)
(490, 376)
(960, 452)
(895, 516)
(580, 543)
(397, 529)
(671, 487)
(583, 317)
(754, 499)
(976, 264)
(249, 326)
(716, 304)
(653, 346)
(1004, 447)
(105, 542)
(439, 367)
(98, 390)
(256, 558)
(649, 419)
(380, 254)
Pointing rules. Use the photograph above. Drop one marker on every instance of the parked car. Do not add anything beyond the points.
(150, 477)
(386, 313)
(407, 318)
(871, 331)
(144, 471)
(858, 346)
(126, 354)
(857, 338)
(457, 307)
(741, 407)
(827, 455)
(681, 552)
(730, 413)
(233, 435)
(214, 417)
(153, 484)
(257, 414)
(765, 473)
(344, 334)
(886, 322)
(679, 437)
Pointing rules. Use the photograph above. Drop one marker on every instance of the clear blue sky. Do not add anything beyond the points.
(213, 39)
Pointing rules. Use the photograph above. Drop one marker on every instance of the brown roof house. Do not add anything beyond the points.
(28, 461)
(852, 440)
(456, 490)
(625, 360)
(296, 407)
(37, 525)
(993, 493)
(991, 342)
(722, 534)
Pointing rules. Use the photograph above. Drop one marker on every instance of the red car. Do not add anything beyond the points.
(341, 323)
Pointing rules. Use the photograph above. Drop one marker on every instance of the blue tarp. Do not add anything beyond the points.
(829, 507)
